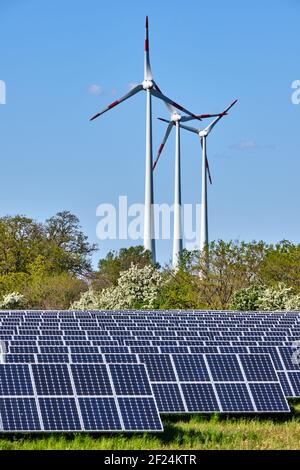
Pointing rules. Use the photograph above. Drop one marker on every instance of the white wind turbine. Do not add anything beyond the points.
(175, 120)
(202, 133)
(152, 89)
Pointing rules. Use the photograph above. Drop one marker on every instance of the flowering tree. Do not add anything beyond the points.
(12, 301)
(137, 288)
(280, 297)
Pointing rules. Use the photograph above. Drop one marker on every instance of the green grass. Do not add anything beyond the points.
(183, 432)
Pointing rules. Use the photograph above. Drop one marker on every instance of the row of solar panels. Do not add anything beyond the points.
(186, 378)
(109, 397)
(178, 330)
(288, 370)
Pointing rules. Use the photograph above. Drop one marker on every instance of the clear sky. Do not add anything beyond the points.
(203, 54)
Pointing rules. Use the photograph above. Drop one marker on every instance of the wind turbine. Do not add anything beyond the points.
(202, 133)
(151, 88)
(175, 120)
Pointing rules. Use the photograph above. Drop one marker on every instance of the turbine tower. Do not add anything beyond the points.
(203, 134)
(175, 120)
(151, 88)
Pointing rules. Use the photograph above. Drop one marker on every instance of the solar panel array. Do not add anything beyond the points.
(113, 370)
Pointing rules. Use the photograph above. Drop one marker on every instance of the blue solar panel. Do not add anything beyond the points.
(294, 378)
(191, 368)
(139, 414)
(100, 414)
(286, 385)
(59, 414)
(52, 379)
(91, 379)
(15, 380)
(224, 368)
(121, 358)
(87, 358)
(159, 367)
(268, 397)
(130, 380)
(234, 397)
(168, 397)
(200, 398)
(19, 414)
(258, 368)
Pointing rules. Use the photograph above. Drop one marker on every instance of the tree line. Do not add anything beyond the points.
(48, 266)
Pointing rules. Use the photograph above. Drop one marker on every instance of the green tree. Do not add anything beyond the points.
(282, 264)
(72, 247)
(114, 263)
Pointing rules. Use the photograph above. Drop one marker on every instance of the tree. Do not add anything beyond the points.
(13, 300)
(247, 299)
(64, 232)
(114, 263)
(282, 264)
(21, 240)
(55, 292)
(233, 265)
(137, 288)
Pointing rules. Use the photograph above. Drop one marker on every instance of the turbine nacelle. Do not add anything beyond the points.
(203, 133)
(175, 117)
(147, 84)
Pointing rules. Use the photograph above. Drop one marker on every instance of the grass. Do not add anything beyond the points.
(184, 432)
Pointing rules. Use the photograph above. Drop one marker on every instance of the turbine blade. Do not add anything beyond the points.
(169, 106)
(132, 92)
(191, 129)
(208, 169)
(164, 98)
(147, 66)
(201, 116)
(164, 120)
(225, 112)
(169, 128)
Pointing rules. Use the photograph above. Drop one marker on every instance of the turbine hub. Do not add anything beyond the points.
(175, 117)
(147, 84)
(202, 133)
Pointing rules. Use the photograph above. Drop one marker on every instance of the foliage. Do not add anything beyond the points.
(137, 288)
(282, 264)
(89, 300)
(277, 298)
(60, 242)
(280, 297)
(247, 299)
(13, 301)
(114, 263)
(54, 292)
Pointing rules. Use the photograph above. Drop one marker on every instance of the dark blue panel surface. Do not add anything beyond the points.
(191, 368)
(168, 397)
(15, 380)
(99, 414)
(52, 379)
(200, 398)
(59, 414)
(19, 414)
(224, 368)
(91, 379)
(140, 414)
(130, 379)
(268, 397)
(159, 367)
(234, 397)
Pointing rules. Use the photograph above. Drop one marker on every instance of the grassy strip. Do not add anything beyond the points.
(187, 432)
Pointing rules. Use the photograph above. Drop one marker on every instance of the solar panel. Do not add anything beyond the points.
(77, 397)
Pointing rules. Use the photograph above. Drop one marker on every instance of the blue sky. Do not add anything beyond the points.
(203, 54)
